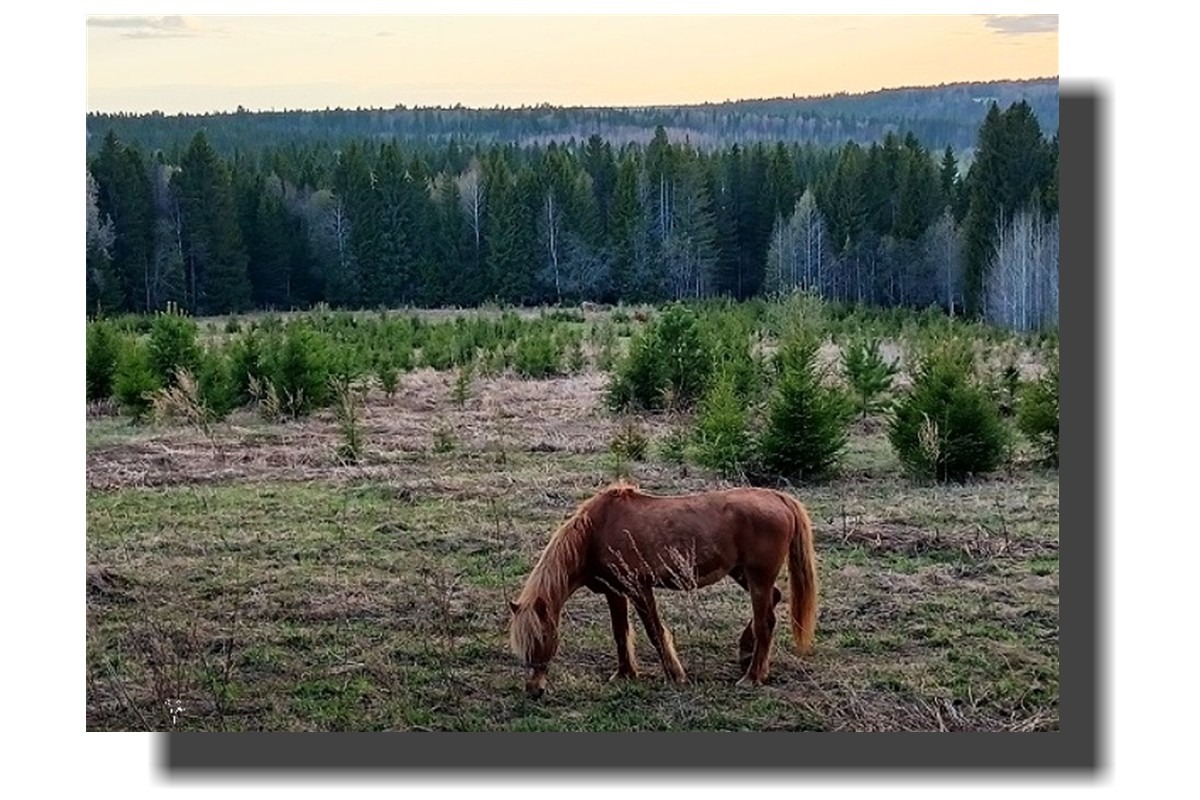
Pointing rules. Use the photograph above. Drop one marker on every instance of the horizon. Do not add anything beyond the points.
(533, 106)
(217, 64)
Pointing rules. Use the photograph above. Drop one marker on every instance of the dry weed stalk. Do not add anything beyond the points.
(266, 399)
(183, 402)
(681, 566)
(441, 585)
(930, 443)
(348, 398)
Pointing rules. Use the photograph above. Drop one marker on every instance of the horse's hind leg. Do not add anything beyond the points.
(664, 643)
(618, 608)
(746, 642)
(763, 596)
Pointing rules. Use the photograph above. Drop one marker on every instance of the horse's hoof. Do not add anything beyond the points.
(622, 676)
(746, 681)
(676, 676)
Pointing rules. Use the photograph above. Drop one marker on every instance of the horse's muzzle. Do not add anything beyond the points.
(535, 687)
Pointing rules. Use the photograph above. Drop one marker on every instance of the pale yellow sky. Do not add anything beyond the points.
(210, 63)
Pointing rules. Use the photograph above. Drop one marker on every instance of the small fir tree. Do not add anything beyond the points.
(869, 375)
(807, 423)
(1037, 415)
(948, 426)
(722, 435)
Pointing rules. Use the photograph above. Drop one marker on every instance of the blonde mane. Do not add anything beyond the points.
(550, 579)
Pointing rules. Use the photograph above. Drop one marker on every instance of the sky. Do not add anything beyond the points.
(194, 64)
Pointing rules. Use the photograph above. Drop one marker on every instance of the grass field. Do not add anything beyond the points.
(252, 580)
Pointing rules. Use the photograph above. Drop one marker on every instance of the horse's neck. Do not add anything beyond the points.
(556, 600)
(560, 572)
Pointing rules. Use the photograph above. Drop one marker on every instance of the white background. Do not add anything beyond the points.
(1139, 57)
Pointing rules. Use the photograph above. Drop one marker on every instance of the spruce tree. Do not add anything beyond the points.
(948, 426)
(1011, 170)
(723, 440)
(948, 178)
(214, 253)
(869, 375)
(124, 197)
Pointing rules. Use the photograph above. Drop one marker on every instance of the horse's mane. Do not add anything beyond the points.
(561, 558)
(622, 488)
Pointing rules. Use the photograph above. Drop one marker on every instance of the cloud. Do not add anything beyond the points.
(1021, 24)
(150, 27)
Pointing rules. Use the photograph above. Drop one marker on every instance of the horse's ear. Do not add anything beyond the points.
(541, 609)
(513, 606)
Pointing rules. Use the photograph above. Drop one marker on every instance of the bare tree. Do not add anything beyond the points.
(689, 247)
(796, 256)
(944, 252)
(551, 229)
(101, 283)
(100, 233)
(471, 195)
(167, 280)
(1021, 285)
(329, 225)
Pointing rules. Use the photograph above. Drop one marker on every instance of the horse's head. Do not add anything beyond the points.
(534, 639)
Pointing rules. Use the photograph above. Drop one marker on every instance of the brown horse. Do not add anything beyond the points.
(623, 543)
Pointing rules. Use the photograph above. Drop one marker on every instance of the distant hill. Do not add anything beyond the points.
(937, 115)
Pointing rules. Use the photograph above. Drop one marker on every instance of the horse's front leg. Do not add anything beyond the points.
(664, 643)
(618, 609)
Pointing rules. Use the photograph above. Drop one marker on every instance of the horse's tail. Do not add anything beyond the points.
(802, 577)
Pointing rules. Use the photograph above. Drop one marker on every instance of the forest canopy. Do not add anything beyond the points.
(383, 222)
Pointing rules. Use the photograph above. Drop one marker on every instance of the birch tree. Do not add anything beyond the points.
(168, 281)
(797, 253)
(943, 248)
(100, 235)
(689, 248)
(328, 223)
(1021, 287)
(550, 227)
(471, 195)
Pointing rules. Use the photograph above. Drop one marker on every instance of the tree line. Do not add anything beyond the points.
(376, 224)
(939, 116)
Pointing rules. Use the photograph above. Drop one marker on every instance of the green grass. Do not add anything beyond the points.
(368, 607)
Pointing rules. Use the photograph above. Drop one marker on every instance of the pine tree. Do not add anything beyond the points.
(724, 181)
(782, 189)
(511, 239)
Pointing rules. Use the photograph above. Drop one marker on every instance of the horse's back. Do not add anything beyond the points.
(711, 531)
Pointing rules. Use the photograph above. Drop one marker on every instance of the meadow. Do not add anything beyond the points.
(315, 521)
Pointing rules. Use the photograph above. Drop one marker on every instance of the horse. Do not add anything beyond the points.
(624, 543)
